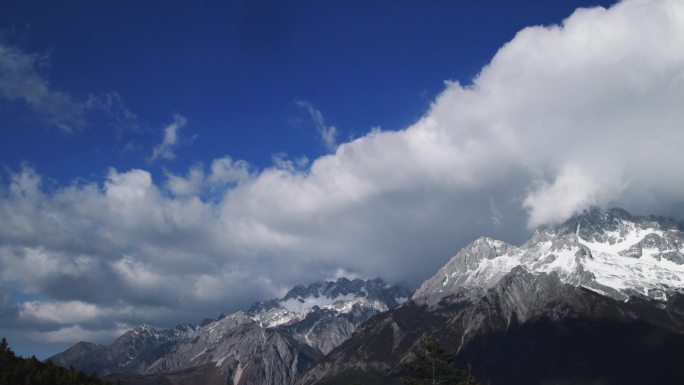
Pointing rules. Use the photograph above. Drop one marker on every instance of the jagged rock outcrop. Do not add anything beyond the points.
(596, 300)
(272, 343)
(610, 252)
(529, 328)
(242, 351)
(275, 341)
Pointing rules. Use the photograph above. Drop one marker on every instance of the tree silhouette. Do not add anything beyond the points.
(16, 370)
(433, 365)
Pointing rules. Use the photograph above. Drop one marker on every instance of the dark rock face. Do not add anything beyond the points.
(85, 356)
(528, 329)
(323, 329)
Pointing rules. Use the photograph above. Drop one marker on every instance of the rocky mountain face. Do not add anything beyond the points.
(134, 351)
(610, 252)
(273, 342)
(596, 300)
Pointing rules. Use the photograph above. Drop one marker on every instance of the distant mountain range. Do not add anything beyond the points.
(598, 299)
(273, 342)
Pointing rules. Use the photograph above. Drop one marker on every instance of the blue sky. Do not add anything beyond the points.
(235, 69)
(165, 162)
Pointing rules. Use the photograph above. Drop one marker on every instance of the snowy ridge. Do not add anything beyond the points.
(319, 316)
(611, 252)
(339, 296)
(271, 343)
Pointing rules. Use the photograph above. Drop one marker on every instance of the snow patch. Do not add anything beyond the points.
(304, 305)
(238, 375)
(198, 354)
(607, 261)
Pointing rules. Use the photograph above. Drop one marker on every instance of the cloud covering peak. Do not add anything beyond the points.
(564, 117)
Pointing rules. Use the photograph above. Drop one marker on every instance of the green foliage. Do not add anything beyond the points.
(433, 365)
(30, 371)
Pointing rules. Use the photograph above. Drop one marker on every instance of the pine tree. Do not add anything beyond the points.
(30, 371)
(433, 365)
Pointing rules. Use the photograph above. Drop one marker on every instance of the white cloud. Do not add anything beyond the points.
(188, 185)
(58, 312)
(328, 134)
(171, 140)
(225, 171)
(72, 333)
(563, 117)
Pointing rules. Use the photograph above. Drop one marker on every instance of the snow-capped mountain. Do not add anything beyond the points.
(528, 328)
(339, 297)
(610, 252)
(273, 342)
(596, 300)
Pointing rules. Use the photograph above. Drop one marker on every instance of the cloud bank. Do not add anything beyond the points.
(564, 117)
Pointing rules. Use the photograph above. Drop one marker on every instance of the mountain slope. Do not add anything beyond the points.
(596, 300)
(526, 329)
(272, 343)
(275, 341)
(133, 351)
(18, 370)
(611, 252)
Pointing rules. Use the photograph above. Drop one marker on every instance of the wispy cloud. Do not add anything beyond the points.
(170, 141)
(117, 114)
(21, 80)
(327, 134)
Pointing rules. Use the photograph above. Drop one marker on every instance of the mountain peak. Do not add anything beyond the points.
(339, 296)
(594, 222)
(144, 327)
(333, 289)
(610, 252)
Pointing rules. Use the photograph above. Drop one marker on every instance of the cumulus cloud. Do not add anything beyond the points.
(59, 312)
(223, 173)
(226, 171)
(21, 80)
(563, 117)
(188, 185)
(170, 141)
(327, 134)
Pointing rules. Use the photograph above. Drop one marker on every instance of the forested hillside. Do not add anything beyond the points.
(15, 370)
